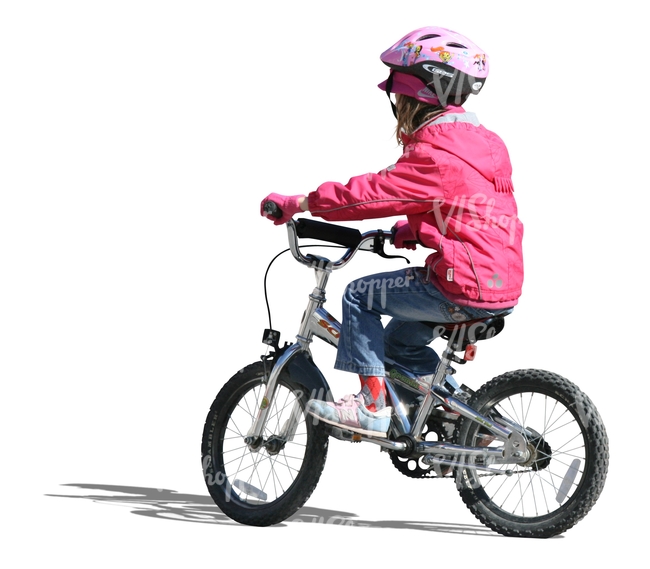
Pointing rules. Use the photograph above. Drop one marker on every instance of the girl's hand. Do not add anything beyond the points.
(403, 237)
(289, 206)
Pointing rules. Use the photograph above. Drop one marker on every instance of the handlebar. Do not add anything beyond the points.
(347, 237)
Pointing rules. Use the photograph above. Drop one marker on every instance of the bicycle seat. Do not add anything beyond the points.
(471, 331)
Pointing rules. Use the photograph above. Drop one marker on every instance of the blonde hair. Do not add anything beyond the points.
(411, 114)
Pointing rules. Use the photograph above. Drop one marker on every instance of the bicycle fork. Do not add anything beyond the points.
(316, 322)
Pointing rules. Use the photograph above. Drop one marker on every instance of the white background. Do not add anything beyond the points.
(137, 141)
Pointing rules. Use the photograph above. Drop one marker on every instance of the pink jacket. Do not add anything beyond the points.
(453, 183)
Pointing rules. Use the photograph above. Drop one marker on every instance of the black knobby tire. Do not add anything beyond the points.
(569, 456)
(266, 486)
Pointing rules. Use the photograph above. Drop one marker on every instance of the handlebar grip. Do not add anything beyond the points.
(346, 236)
(271, 209)
(410, 244)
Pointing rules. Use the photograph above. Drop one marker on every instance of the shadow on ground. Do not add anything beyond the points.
(167, 504)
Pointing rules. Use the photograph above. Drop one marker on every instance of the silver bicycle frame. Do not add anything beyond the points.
(318, 322)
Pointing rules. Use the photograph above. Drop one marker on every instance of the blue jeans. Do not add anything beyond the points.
(409, 298)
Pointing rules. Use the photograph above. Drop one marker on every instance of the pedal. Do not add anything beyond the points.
(344, 435)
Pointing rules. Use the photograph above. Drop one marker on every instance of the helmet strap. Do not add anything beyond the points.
(389, 86)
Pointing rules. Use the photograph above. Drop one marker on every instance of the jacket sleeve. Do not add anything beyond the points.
(410, 186)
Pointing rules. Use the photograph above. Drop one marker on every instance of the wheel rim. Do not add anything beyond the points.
(559, 454)
(258, 478)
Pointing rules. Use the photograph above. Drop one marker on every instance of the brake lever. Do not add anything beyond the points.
(378, 248)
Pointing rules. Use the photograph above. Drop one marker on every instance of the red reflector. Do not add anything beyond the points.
(470, 352)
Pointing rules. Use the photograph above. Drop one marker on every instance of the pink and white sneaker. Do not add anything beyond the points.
(350, 413)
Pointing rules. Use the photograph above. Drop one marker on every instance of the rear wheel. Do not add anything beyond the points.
(265, 482)
(568, 455)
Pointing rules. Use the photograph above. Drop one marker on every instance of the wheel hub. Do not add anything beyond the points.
(254, 443)
(540, 454)
(274, 444)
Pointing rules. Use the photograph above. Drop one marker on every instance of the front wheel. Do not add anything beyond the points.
(567, 462)
(264, 483)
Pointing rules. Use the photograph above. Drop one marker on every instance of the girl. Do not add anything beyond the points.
(453, 184)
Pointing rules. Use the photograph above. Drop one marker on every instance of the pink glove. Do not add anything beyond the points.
(288, 206)
(403, 237)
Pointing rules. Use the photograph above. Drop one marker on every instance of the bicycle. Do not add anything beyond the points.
(528, 450)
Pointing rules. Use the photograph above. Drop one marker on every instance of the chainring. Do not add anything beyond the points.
(440, 426)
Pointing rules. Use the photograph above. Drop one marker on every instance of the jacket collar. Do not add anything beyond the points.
(451, 115)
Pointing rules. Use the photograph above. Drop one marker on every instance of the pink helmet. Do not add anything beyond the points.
(433, 64)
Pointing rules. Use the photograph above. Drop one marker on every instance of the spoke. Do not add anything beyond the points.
(239, 470)
(541, 486)
(553, 477)
(290, 468)
(278, 411)
(552, 427)
(510, 415)
(570, 421)
(234, 429)
(252, 401)
(532, 491)
(572, 452)
(297, 447)
(241, 447)
(577, 435)
(524, 414)
(560, 461)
